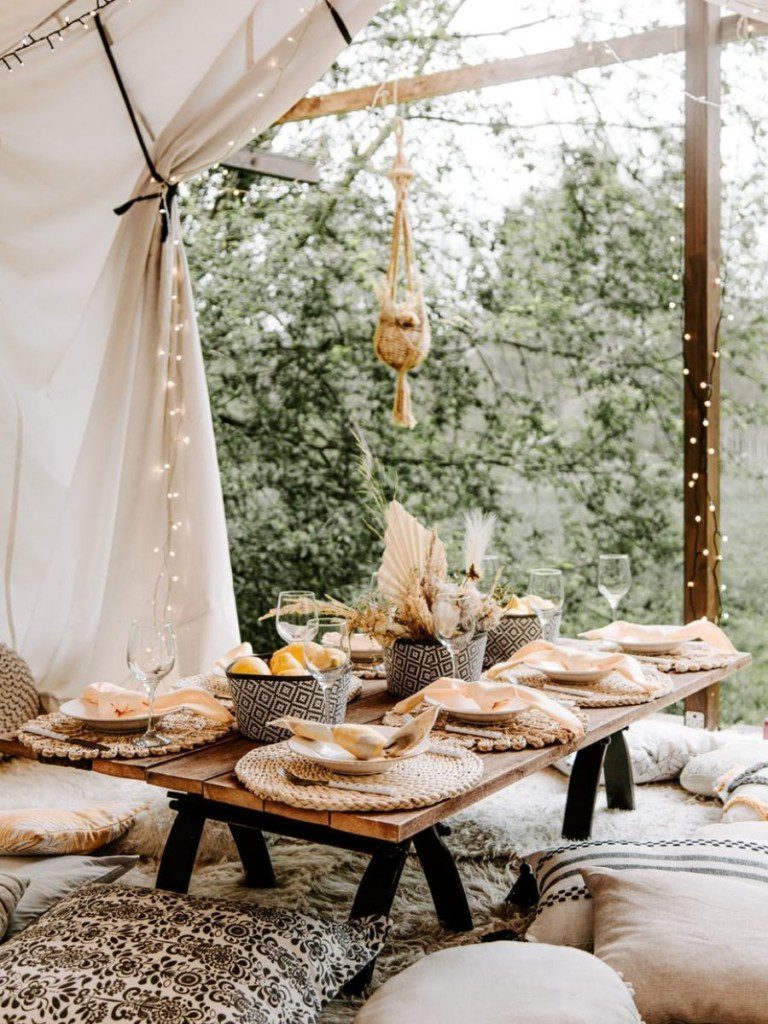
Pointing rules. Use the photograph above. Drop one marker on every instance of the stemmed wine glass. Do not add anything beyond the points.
(151, 654)
(329, 658)
(547, 585)
(614, 578)
(296, 619)
(454, 614)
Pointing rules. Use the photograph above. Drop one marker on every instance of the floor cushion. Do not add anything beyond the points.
(116, 952)
(51, 879)
(11, 890)
(692, 947)
(660, 748)
(28, 830)
(702, 772)
(564, 911)
(503, 983)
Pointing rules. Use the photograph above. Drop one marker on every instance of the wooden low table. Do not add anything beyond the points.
(202, 786)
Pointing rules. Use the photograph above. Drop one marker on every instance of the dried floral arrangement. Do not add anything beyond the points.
(414, 568)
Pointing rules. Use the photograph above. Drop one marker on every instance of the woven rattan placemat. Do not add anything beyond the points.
(694, 656)
(528, 729)
(185, 729)
(420, 781)
(612, 691)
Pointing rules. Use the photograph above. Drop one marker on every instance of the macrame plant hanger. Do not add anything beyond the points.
(402, 336)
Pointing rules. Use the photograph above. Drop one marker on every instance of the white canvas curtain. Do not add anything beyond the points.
(87, 305)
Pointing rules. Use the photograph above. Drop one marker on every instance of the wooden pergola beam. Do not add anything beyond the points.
(274, 165)
(567, 61)
(702, 318)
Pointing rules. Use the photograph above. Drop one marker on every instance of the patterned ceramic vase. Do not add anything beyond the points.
(413, 664)
(19, 700)
(259, 699)
(514, 632)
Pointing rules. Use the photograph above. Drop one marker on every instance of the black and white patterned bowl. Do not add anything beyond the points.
(259, 699)
(514, 632)
(413, 664)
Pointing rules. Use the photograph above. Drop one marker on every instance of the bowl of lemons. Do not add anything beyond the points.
(268, 687)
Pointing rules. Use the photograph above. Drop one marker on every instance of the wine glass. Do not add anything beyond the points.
(296, 616)
(328, 659)
(614, 578)
(547, 585)
(151, 654)
(454, 614)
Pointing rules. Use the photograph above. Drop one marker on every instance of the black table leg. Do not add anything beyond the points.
(254, 855)
(374, 898)
(619, 783)
(582, 790)
(180, 851)
(444, 881)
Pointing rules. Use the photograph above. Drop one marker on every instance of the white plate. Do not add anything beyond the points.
(337, 759)
(660, 647)
(499, 716)
(83, 712)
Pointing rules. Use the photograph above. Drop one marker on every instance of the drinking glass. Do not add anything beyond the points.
(328, 659)
(491, 571)
(614, 578)
(296, 616)
(454, 615)
(547, 585)
(151, 654)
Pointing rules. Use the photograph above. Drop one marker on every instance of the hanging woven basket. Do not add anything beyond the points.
(402, 336)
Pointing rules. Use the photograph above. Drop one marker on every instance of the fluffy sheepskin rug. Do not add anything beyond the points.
(486, 841)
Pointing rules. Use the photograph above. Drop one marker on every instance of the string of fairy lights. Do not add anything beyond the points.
(66, 26)
(175, 436)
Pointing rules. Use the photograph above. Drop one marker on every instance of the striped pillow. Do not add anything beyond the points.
(11, 890)
(564, 912)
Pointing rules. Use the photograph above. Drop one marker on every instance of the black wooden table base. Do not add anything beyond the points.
(378, 885)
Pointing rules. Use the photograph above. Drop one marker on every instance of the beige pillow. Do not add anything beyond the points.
(564, 911)
(37, 830)
(11, 890)
(692, 947)
(503, 983)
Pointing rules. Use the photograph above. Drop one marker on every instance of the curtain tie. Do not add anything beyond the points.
(166, 195)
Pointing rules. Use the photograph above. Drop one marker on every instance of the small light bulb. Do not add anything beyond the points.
(175, 526)
(710, 451)
(690, 583)
(707, 404)
(166, 465)
(687, 336)
(691, 483)
(712, 507)
(725, 539)
(686, 371)
(692, 440)
(695, 476)
(171, 384)
(697, 519)
(168, 608)
(174, 579)
(705, 552)
(156, 550)
(730, 317)
(161, 352)
(716, 355)
(704, 423)
(703, 384)
(171, 554)
(178, 359)
(672, 305)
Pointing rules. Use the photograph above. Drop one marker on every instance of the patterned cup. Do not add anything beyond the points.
(514, 632)
(259, 699)
(413, 664)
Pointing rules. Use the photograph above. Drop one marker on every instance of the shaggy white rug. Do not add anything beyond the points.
(485, 840)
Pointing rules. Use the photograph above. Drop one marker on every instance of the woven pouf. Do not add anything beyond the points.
(420, 781)
(509, 982)
(19, 700)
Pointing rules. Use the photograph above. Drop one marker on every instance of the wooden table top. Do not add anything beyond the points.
(209, 771)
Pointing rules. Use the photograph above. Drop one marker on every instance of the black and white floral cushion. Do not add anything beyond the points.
(114, 953)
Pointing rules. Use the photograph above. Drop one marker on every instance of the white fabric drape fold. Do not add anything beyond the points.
(88, 302)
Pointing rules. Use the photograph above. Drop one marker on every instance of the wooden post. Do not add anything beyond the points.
(702, 315)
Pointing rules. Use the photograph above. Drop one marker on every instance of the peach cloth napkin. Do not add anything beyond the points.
(702, 629)
(221, 665)
(484, 695)
(543, 656)
(112, 702)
